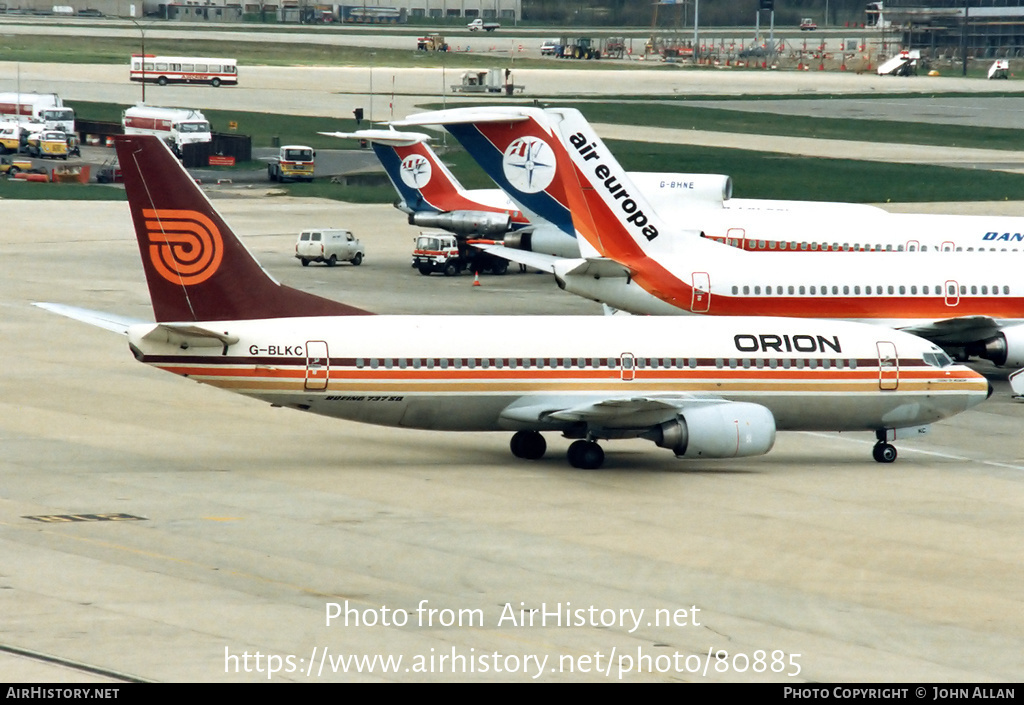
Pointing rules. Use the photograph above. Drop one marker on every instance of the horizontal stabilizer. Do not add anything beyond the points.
(461, 116)
(537, 260)
(100, 319)
(596, 267)
(188, 335)
(391, 138)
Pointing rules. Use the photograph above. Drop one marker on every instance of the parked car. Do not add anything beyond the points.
(328, 245)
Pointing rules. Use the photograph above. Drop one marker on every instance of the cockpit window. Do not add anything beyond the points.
(937, 359)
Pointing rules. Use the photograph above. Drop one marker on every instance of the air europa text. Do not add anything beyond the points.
(634, 214)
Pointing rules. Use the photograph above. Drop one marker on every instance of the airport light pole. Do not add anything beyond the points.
(142, 58)
(696, 22)
(373, 57)
(963, 35)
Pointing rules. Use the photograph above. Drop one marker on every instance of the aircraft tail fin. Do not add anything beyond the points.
(513, 146)
(196, 268)
(624, 225)
(423, 182)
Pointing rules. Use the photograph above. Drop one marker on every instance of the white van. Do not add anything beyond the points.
(328, 245)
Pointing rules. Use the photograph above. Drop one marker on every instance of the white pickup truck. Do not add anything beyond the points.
(478, 24)
(330, 246)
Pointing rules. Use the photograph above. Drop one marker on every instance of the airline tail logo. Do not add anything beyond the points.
(529, 164)
(185, 247)
(415, 171)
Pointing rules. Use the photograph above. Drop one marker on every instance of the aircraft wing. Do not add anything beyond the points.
(956, 331)
(625, 412)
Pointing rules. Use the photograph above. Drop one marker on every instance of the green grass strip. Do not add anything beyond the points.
(678, 115)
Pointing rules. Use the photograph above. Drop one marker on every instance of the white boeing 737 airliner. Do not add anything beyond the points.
(701, 387)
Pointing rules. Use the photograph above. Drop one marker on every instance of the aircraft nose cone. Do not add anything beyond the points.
(991, 389)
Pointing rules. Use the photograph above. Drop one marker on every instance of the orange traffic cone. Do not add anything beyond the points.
(476, 279)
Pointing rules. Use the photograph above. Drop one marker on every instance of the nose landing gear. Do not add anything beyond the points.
(884, 452)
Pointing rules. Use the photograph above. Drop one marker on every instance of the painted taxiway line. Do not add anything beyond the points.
(921, 451)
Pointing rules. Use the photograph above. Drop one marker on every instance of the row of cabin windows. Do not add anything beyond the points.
(812, 246)
(903, 290)
(846, 247)
(653, 363)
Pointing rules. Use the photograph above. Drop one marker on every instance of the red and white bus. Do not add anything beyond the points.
(184, 69)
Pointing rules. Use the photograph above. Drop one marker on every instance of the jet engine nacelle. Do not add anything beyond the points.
(1007, 348)
(728, 430)
(464, 222)
(668, 190)
(545, 239)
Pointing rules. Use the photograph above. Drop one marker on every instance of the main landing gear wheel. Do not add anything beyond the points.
(884, 453)
(528, 445)
(585, 455)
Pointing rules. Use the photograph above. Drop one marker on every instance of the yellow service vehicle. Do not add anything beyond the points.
(295, 162)
(10, 167)
(48, 143)
(10, 137)
(432, 42)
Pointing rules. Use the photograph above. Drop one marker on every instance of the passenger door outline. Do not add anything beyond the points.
(888, 365)
(318, 366)
(627, 367)
(701, 301)
(951, 292)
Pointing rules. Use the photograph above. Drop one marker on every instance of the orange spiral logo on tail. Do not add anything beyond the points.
(185, 247)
